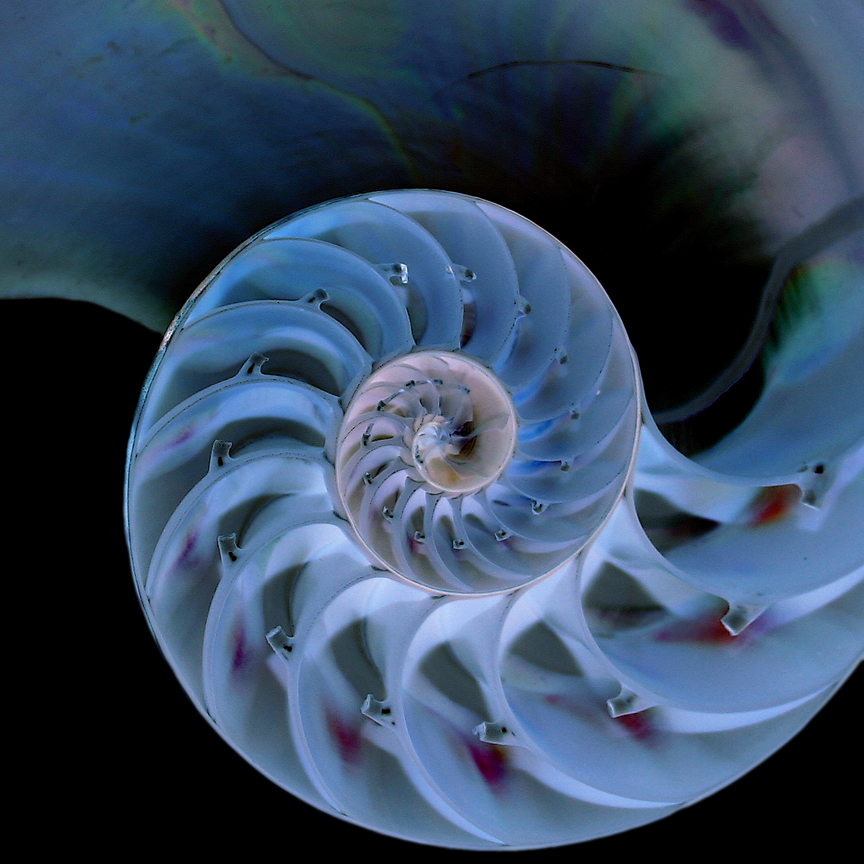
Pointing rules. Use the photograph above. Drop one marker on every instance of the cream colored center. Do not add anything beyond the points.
(454, 419)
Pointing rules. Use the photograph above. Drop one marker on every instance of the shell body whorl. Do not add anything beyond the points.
(395, 515)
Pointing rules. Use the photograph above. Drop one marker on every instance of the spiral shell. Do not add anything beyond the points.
(388, 523)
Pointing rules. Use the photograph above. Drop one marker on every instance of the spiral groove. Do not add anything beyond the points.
(367, 439)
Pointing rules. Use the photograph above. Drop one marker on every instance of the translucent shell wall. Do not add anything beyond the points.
(405, 533)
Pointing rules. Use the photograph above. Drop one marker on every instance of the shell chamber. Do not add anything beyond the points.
(389, 526)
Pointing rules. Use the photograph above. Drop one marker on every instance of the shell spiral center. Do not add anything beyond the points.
(432, 422)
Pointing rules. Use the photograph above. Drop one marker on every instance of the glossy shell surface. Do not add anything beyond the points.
(406, 534)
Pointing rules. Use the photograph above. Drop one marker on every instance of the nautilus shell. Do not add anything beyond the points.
(408, 538)
(646, 624)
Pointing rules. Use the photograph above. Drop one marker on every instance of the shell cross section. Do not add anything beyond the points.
(388, 525)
